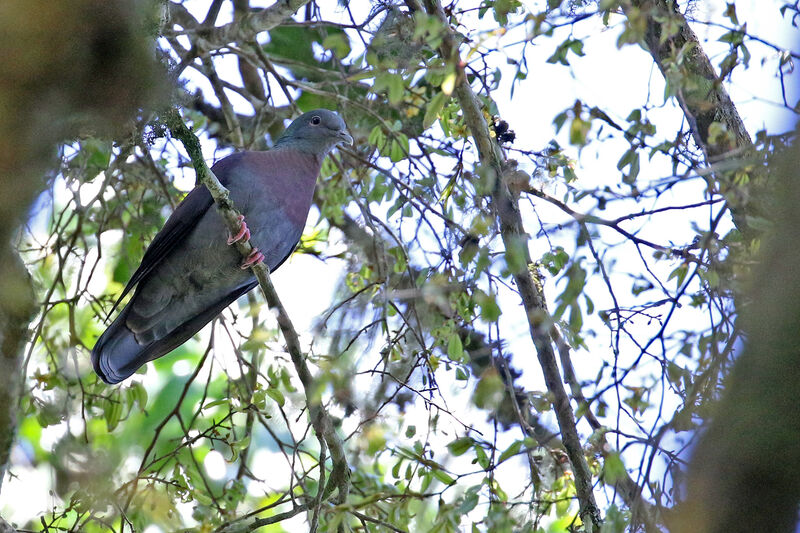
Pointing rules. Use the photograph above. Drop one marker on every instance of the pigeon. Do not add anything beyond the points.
(190, 273)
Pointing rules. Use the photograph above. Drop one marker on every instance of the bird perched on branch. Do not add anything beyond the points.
(190, 273)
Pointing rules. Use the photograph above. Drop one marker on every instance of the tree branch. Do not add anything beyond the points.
(515, 243)
(710, 102)
(245, 27)
(699, 92)
(5, 527)
(16, 312)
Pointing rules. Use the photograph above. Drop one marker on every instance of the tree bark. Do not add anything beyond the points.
(709, 102)
(244, 28)
(5, 527)
(16, 312)
(700, 93)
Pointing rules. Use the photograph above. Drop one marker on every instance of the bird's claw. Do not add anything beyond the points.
(254, 258)
(243, 234)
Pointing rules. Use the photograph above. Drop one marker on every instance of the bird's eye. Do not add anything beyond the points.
(315, 120)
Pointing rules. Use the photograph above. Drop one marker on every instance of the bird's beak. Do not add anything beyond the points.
(345, 137)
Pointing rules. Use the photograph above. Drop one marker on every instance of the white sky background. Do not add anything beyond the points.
(610, 78)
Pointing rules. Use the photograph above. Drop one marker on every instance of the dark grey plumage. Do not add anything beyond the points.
(189, 273)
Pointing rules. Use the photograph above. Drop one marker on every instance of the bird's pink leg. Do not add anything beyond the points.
(244, 232)
(254, 258)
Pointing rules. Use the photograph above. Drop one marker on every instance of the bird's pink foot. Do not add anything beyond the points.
(244, 232)
(254, 258)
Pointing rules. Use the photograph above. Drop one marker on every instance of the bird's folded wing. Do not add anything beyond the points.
(177, 227)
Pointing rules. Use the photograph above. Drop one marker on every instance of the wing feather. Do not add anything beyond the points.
(179, 224)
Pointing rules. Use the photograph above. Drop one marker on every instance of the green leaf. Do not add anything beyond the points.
(481, 457)
(490, 391)
(338, 43)
(615, 521)
(760, 223)
(576, 276)
(633, 171)
(433, 109)
(570, 45)
(443, 476)
(215, 403)
(510, 451)
(377, 137)
(503, 7)
(308, 101)
(260, 399)
(396, 468)
(138, 394)
(296, 43)
(490, 311)
(555, 260)
(516, 251)
(613, 468)
(399, 149)
(427, 479)
(113, 413)
(470, 500)
(460, 446)
(49, 414)
(449, 84)
(276, 395)
(455, 349)
(679, 273)
(608, 4)
(578, 131)
(575, 318)
(394, 85)
(99, 154)
(559, 121)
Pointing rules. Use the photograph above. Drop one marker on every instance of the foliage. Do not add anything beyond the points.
(423, 352)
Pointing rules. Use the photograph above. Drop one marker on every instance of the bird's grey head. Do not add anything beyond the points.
(317, 131)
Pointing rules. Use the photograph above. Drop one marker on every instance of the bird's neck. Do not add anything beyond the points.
(307, 146)
(291, 176)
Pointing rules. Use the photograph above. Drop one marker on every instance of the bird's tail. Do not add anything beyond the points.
(117, 355)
